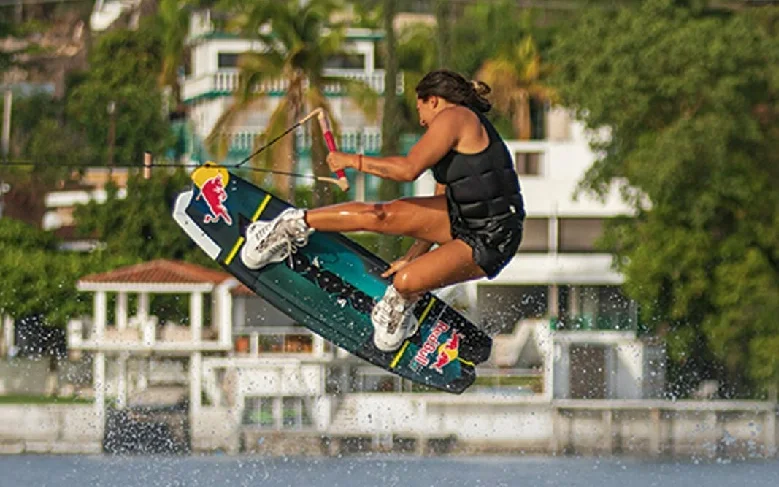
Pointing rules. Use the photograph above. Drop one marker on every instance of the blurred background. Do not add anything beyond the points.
(639, 317)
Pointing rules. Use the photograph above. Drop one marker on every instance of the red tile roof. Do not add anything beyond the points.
(160, 271)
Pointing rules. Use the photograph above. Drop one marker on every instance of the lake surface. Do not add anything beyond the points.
(385, 471)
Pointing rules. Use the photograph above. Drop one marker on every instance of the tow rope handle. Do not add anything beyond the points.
(324, 124)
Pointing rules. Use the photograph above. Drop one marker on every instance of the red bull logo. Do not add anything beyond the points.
(444, 353)
(212, 181)
(447, 353)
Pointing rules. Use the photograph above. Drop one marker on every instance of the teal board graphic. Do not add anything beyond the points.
(329, 286)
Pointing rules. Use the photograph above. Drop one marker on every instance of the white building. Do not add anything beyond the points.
(566, 329)
(207, 92)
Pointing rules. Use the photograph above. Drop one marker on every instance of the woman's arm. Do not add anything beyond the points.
(440, 137)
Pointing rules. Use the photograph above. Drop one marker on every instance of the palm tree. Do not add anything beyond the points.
(297, 38)
(173, 24)
(517, 77)
(389, 246)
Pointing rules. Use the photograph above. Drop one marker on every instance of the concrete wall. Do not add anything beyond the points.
(511, 424)
(215, 429)
(50, 429)
(26, 377)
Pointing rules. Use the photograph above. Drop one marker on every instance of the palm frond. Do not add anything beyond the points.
(366, 99)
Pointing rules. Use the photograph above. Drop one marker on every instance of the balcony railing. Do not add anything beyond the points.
(611, 322)
(367, 141)
(225, 81)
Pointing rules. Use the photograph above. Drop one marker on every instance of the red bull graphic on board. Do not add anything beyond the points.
(212, 181)
(440, 354)
(447, 353)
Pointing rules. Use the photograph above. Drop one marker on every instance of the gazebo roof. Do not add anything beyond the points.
(158, 275)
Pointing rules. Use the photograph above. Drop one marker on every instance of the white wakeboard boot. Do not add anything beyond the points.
(393, 320)
(274, 240)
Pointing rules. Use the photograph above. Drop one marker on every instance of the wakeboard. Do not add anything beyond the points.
(329, 286)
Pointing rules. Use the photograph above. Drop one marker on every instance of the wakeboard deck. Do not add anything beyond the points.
(330, 285)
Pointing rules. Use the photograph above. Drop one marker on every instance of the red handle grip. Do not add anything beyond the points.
(330, 141)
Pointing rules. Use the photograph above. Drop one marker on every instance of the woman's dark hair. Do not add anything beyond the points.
(455, 88)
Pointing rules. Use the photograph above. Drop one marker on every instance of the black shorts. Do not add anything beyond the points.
(494, 245)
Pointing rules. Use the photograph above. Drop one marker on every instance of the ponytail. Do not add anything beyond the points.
(454, 88)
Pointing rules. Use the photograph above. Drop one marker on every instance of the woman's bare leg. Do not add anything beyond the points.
(451, 263)
(424, 218)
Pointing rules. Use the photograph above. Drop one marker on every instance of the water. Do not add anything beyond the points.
(384, 471)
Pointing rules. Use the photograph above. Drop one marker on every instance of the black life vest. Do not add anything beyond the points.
(481, 188)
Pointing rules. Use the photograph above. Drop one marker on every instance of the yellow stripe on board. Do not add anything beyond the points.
(240, 240)
(466, 362)
(234, 251)
(405, 344)
(426, 311)
(399, 354)
(261, 208)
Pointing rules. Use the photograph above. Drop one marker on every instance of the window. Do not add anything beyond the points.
(227, 60)
(528, 163)
(259, 411)
(580, 234)
(298, 343)
(595, 307)
(346, 61)
(294, 413)
(535, 235)
(501, 307)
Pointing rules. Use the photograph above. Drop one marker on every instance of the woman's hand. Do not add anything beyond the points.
(419, 248)
(396, 266)
(340, 160)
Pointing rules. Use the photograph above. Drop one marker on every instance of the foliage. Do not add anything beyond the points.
(517, 77)
(688, 101)
(485, 30)
(139, 225)
(389, 245)
(131, 85)
(301, 39)
(171, 26)
(39, 280)
(41, 135)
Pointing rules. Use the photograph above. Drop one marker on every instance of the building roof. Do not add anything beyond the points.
(160, 275)
(160, 271)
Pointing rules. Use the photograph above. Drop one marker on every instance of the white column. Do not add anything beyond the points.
(319, 345)
(195, 383)
(237, 318)
(98, 364)
(196, 315)
(8, 333)
(121, 385)
(121, 310)
(99, 313)
(143, 306)
(254, 344)
(770, 432)
(225, 321)
(553, 302)
(554, 230)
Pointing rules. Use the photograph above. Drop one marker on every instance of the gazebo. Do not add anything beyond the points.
(139, 333)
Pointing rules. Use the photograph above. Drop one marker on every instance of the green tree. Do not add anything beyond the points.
(40, 281)
(139, 226)
(389, 245)
(485, 30)
(517, 78)
(688, 102)
(118, 105)
(301, 39)
(172, 25)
